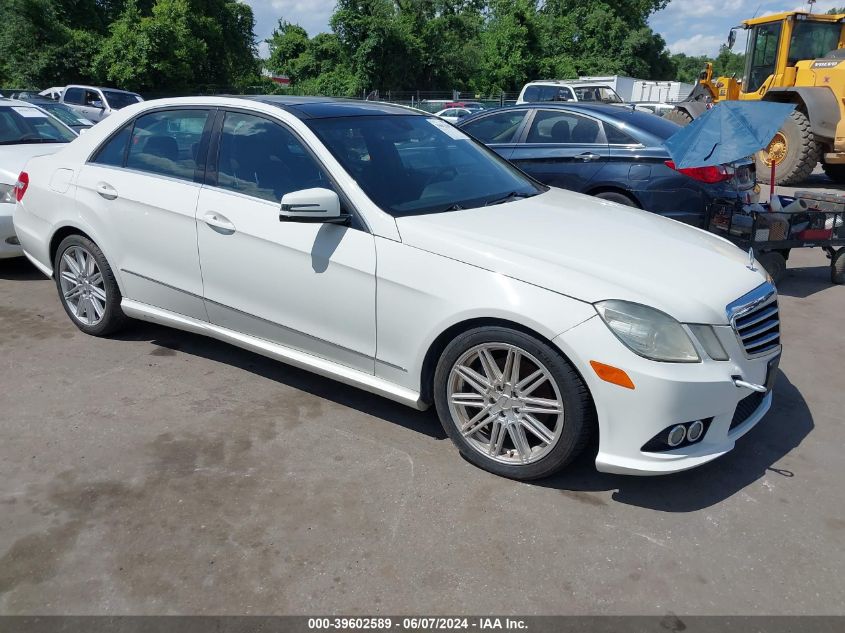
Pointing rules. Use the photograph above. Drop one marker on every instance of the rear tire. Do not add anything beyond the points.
(87, 287)
(835, 172)
(774, 263)
(617, 197)
(837, 267)
(801, 153)
(523, 419)
(681, 117)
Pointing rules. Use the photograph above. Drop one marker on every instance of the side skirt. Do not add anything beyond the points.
(320, 366)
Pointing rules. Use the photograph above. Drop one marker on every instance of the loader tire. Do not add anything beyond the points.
(681, 117)
(835, 172)
(794, 150)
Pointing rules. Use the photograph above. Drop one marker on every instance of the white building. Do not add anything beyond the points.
(631, 89)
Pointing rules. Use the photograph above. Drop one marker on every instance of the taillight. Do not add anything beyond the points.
(710, 175)
(21, 186)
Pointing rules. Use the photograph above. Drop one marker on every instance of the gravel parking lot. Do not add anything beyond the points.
(160, 472)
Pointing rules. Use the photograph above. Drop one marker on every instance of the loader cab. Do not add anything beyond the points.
(777, 43)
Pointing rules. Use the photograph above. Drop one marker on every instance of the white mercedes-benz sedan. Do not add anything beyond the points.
(388, 250)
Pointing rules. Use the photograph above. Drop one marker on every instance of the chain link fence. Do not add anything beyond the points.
(427, 100)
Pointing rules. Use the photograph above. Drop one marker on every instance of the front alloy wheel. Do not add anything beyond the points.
(506, 403)
(512, 403)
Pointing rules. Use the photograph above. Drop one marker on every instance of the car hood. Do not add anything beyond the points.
(591, 250)
(13, 158)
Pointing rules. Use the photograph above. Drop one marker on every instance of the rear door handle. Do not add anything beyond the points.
(106, 190)
(588, 156)
(218, 221)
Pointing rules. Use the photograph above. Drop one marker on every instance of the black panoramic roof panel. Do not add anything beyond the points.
(324, 107)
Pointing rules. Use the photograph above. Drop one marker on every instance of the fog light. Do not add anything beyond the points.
(13, 241)
(676, 435)
(695, 431)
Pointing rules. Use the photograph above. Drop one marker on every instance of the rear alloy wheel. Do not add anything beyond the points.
(87, 288)
(511, 404)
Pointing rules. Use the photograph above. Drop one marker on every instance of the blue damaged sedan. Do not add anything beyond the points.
(611, 152)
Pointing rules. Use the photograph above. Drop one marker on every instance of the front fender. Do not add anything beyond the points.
(420, 295)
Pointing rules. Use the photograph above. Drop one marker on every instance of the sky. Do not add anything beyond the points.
(694, 27)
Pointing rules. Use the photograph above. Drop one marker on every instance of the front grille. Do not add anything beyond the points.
(756, 320)
(746, 408)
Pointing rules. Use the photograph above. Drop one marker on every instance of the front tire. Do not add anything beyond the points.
(794, 151)
(774, 263)
(87, 287)
(511, 403)
(681, 117)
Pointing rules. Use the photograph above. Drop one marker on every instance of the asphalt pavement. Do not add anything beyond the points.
(158, 472)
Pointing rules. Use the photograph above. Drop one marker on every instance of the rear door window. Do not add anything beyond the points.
(167, 142)
(75, 96)
(562, 127)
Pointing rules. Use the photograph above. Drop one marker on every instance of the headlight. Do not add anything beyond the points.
(709, 341)
(7, 194)
(648, 332)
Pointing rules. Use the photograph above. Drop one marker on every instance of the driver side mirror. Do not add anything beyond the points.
(312, 205)
(731, 39)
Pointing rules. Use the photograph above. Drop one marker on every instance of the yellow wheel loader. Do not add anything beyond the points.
(793, 57)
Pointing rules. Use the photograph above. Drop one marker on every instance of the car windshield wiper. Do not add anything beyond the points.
(31, 141)
(451, 207)
(513, 195)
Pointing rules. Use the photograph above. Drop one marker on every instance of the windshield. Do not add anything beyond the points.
(118, 100)
(811, 40)
(64, 114)
(412, 165)
(22, 125)
(601, 94)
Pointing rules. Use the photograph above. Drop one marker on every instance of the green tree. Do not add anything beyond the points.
(152, 53)
(728, 63)
(603, 37)
(511, 45)
(687, 67)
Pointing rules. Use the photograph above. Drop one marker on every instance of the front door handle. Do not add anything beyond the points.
(588, 157)
(106, 190)
(218, 221)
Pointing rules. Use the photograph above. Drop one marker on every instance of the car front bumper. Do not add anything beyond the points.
(9, 245)
(665, 394)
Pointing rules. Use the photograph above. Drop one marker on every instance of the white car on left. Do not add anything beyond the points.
(25, 131)
(453, 115)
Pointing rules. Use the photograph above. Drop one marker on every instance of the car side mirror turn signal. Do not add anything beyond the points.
(312, 205)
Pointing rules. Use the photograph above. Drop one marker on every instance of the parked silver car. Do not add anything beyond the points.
(95, 103)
